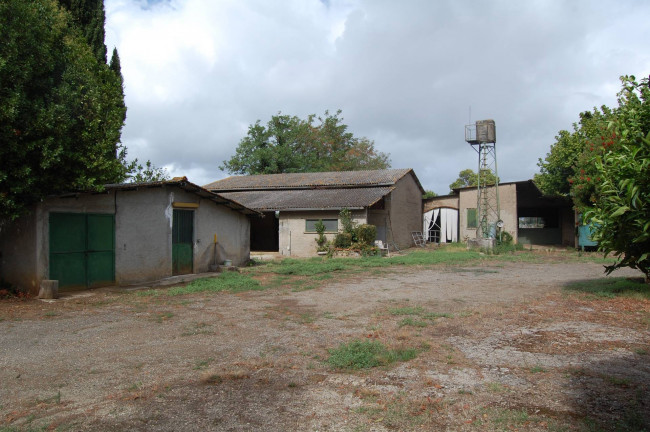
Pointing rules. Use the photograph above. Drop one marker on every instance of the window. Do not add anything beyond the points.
(532, 222)
(471, 218)
(331, 225)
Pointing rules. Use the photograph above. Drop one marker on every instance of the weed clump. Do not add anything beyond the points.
(359, 354)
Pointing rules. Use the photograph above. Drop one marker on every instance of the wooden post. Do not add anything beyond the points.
(49, 289)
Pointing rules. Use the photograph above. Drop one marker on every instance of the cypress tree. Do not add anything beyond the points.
(89, 16)
(115, 66)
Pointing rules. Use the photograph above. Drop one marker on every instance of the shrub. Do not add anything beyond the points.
(343, 240)
(366, 234)
(506, 238)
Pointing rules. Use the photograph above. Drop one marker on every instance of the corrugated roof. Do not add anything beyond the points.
(309, 199)
(184, 184)
(333, 179)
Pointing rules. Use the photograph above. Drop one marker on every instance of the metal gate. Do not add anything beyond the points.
(82, 249)
(182, 242)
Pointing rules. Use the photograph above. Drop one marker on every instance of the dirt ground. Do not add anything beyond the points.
(500, 347)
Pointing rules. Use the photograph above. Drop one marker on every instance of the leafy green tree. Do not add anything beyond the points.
(618, 204)
(429, 194)
(61, 111)
(289, 144)
(604, 165)
(559, 164)
(468, 178)
(147, 173)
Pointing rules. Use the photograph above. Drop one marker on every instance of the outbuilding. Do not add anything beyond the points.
(528, 215)
(390, 199)
(126, 234)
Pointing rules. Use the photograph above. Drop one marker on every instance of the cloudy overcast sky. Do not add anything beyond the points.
(406, 74)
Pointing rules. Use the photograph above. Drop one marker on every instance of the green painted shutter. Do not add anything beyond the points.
(182, 241)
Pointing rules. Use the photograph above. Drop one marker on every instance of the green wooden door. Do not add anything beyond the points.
(82, 249)
(182, 242)
(100, 250)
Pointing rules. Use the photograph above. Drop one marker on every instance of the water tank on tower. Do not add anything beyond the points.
(486, 131)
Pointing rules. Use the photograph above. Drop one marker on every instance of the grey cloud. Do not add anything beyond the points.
(404, 73)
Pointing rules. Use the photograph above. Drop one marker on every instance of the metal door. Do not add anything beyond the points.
(182, 242)
(82, 249)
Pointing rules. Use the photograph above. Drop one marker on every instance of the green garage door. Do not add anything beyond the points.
(82, 249)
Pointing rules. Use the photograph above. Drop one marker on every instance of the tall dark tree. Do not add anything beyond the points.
(115, 66)
(90, 17)
(61, 110)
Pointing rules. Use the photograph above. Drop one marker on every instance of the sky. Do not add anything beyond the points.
(408, 75)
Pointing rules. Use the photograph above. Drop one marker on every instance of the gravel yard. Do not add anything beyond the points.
(500, 346)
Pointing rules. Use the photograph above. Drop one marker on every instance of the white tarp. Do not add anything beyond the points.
(448, 223)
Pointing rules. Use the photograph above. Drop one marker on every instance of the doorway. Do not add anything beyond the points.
(182, 242)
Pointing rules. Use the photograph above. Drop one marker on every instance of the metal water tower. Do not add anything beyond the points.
(482, 137)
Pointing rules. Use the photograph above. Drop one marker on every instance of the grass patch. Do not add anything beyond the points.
(612, 287)
(359, 354)
(228, 281)
(412, 323)
(434, 315)
(495, 387)
(307, 318)
(202, 364)
(537, 369)
(320, 277)
(163, 316)
(509, 417)
(325, 266)
(619, 382)
(408, 310)
(305, 267)
(136, 386)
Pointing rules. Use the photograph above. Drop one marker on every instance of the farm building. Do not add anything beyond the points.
(127, 234)
(390, 199)
(528, 215)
